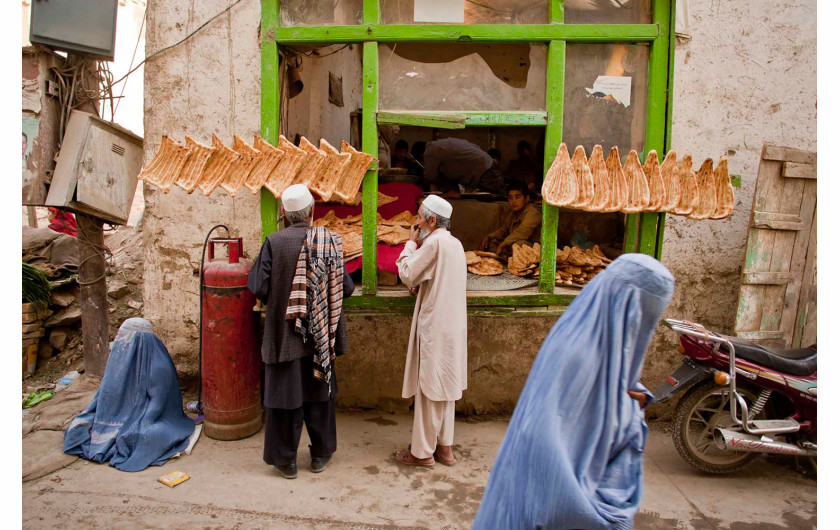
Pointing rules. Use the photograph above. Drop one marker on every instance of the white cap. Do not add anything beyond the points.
(296, 197)
(438, 205)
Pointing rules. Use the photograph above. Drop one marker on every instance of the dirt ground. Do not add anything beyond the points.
(230, 487)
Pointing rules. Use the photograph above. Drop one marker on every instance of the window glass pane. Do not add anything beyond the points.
(608, 12)
(320, 12)
(462, 77)
(472, 12)
(606, 96)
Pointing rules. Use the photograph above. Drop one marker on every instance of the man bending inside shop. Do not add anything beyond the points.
(451, 162)
(300, 277)
(521, 226)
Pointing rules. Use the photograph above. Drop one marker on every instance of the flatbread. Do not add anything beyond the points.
(656, 186)
(284, 172)
(392, 235)
(351, 181)
(269, 158)
(583, 176)
(471, 258)
(689, 197)
(191, 171)
(483, 254)
(405, 219)
(639, 194)
(238, 169)
(725, 191)
(313, 166)
(600, 181)
(166, 165)
(487, 267)
(618, 182)
(560, 185)
(671, 181)
(707, 192)
(337, 163)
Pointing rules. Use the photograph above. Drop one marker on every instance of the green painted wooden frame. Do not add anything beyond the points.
(644, 232)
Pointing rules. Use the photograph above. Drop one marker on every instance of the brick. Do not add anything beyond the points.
(29, 328)
(28, 318)
(34, 334)
(29, 342)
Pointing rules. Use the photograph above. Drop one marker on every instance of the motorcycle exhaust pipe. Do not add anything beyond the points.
(727, 440)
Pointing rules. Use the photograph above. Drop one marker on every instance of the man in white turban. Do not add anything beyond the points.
(432, 265)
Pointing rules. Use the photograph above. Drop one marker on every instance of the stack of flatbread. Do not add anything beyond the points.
(394, 231)
(484, 263)
(525, 261)
(331, 174)
(599, 185)
(577, 266)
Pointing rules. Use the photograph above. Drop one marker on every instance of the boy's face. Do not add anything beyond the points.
(516, 200)
(401, 153)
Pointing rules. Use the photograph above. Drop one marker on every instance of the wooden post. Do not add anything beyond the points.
(93, 301)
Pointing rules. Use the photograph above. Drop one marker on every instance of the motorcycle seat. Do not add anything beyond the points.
(800, 362)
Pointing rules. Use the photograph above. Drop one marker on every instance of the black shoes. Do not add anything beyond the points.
(288, 471)
(319, 463)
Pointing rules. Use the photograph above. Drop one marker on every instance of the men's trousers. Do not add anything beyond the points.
(284, 426)
(434, 424)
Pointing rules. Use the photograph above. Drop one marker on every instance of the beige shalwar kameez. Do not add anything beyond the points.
(436, 362)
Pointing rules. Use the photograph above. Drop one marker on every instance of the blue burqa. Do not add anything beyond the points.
(136, 419)
(572, 455)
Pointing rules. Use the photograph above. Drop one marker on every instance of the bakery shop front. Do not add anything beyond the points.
(514, 78)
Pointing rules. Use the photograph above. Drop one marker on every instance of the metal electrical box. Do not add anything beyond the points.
(97, 168)
(84, 27)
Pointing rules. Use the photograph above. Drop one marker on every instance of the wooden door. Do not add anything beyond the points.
(777, 303)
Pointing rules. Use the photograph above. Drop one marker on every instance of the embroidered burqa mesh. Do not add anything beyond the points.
(136, 418)
(572, 455)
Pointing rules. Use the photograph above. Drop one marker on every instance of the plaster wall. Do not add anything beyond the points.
(746, 78)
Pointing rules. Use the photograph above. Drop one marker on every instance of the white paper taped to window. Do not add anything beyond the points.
(616, 86)
(451, 11)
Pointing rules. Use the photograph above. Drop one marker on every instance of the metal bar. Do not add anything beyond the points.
(269, 104)
(555, 83)
(578, 33)
(461, 119)
(370, 145)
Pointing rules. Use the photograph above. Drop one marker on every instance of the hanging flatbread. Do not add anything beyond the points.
(638, 195)
(560, 185)
(238, 170)
(618, 182)
(166, 165)
(585, 184)
(471, 258)
(671, 180)
(314, 165)
(268, 159)
(193, 167)
(284, 172)
(689, 197)
(707, 192)
(359, 163)
(600, 180)
(334, 169)
(725, 191)
(656, 186)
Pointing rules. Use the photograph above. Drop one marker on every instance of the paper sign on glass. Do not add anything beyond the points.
(451, 11)
(616, 86)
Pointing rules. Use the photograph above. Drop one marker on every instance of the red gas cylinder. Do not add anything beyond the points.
(230, 354)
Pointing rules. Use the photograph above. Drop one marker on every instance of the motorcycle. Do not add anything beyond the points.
(741, 400)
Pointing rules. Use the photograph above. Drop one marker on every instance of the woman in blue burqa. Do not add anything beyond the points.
(136, 418)
(572, 455)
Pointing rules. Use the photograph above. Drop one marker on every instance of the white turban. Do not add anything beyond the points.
(296, 197)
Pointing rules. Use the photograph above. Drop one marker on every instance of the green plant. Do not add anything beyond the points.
(36, 285)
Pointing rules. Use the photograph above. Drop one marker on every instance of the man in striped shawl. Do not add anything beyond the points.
(300, 277)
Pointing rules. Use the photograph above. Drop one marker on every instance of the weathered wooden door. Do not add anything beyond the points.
(777, 303)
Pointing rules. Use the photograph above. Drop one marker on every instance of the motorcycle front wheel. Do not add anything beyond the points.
(701, 410)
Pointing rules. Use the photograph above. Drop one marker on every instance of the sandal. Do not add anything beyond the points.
(447, 463)
(408, 459)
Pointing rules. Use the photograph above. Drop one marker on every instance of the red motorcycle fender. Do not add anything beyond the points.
(687, 375)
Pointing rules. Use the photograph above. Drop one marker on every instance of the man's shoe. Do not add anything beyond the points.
(319, 463)
(288, 471)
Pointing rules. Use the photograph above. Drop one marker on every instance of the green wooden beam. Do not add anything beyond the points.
(407, 302)
(370, 145)
(269, 104)
(578, 33)
(370, 12)
(556, 12)
(555, 83)
(669, 116)
(461, 119)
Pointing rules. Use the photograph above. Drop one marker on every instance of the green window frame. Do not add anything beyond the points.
(643, 232)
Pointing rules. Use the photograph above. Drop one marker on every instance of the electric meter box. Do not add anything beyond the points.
(84, 27)
(97, 167)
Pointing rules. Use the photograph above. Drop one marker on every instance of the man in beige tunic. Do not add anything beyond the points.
(432, 265)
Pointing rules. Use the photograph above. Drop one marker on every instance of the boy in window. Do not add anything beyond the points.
(521, 227)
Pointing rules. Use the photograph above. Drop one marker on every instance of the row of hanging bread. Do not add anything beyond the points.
(334, 175)
(599, 185)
